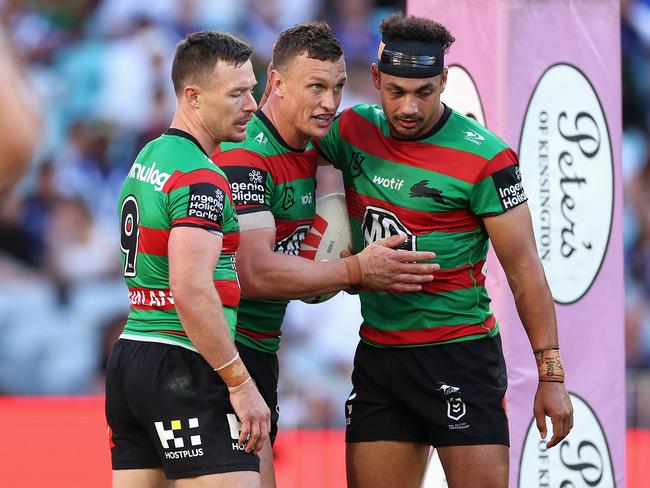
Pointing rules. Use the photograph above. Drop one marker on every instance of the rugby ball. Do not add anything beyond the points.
(329, 234)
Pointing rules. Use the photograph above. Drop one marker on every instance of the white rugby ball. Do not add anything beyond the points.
(329, 234)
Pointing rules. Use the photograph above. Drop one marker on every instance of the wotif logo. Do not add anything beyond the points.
(566, 164)
(149, 175)
(391, 183)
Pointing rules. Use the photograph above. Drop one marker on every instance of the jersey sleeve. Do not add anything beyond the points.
(499, 188)
(329, 147)
(251, 182)
(199, 199)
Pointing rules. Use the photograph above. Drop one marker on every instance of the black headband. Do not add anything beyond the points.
(411, 59)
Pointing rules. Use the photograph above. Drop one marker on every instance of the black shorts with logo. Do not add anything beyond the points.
(443, 395)
(263, 367)
(166, 407)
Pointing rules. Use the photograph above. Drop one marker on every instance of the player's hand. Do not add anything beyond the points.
(552, 400)
(383, 268)
(254, 415)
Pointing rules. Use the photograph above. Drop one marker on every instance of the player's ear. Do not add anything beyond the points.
(443, 79)
(278, 85)
(374, 72)
(191, 95)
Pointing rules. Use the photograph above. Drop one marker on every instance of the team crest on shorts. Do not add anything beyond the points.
(456, 408)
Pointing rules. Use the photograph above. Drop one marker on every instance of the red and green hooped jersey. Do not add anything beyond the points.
(172, 183)
(267, 175)
(435, 190)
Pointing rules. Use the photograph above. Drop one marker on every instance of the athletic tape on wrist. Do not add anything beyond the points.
(234, 374)
(228, 363)
(353, 268)
(549, 365)
(234, 389)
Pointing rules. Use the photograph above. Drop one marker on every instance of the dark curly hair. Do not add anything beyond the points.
(399, 27)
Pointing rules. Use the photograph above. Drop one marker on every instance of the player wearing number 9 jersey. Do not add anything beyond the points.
(180, 403)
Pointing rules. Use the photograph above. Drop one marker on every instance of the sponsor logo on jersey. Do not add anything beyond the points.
(175, 437)
(261, 138)
(509, 188)
(379, 223)
(206, 202)
(473, 136)
(246, 184)
(149, 175)
(391, 183)
(307, 199)
(356, 160)
(291, 244)
(288, 198)
(421, 190)
(582, 458)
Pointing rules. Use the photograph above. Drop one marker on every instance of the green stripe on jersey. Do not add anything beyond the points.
(172, 183)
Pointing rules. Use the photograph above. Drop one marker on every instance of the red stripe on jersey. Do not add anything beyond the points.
(171, 181)
(505, 158)
(202, 176)
(153, 241)
(429, 335)
(229, 292)
(283, 168)
(230, 243)
(284, 228)
(161, 298)
(456, 279)
(368, 137)
(256, 335)
(320, 224)
(238, 157)
(171, 332)
(417, 221)
(206, 224)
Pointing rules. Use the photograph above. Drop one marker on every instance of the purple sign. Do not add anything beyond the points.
(545, 76)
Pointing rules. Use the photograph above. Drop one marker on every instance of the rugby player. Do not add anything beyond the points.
(429, 369)
(273, 180)
(180, 403)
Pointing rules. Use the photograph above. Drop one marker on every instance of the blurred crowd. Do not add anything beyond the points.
(635, 44)
(99, 70)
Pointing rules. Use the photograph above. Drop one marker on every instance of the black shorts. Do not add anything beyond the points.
(166, 407)
(444, 395)
(263, 367)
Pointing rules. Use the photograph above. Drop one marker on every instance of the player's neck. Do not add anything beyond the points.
(193, 126)
(284, 125)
